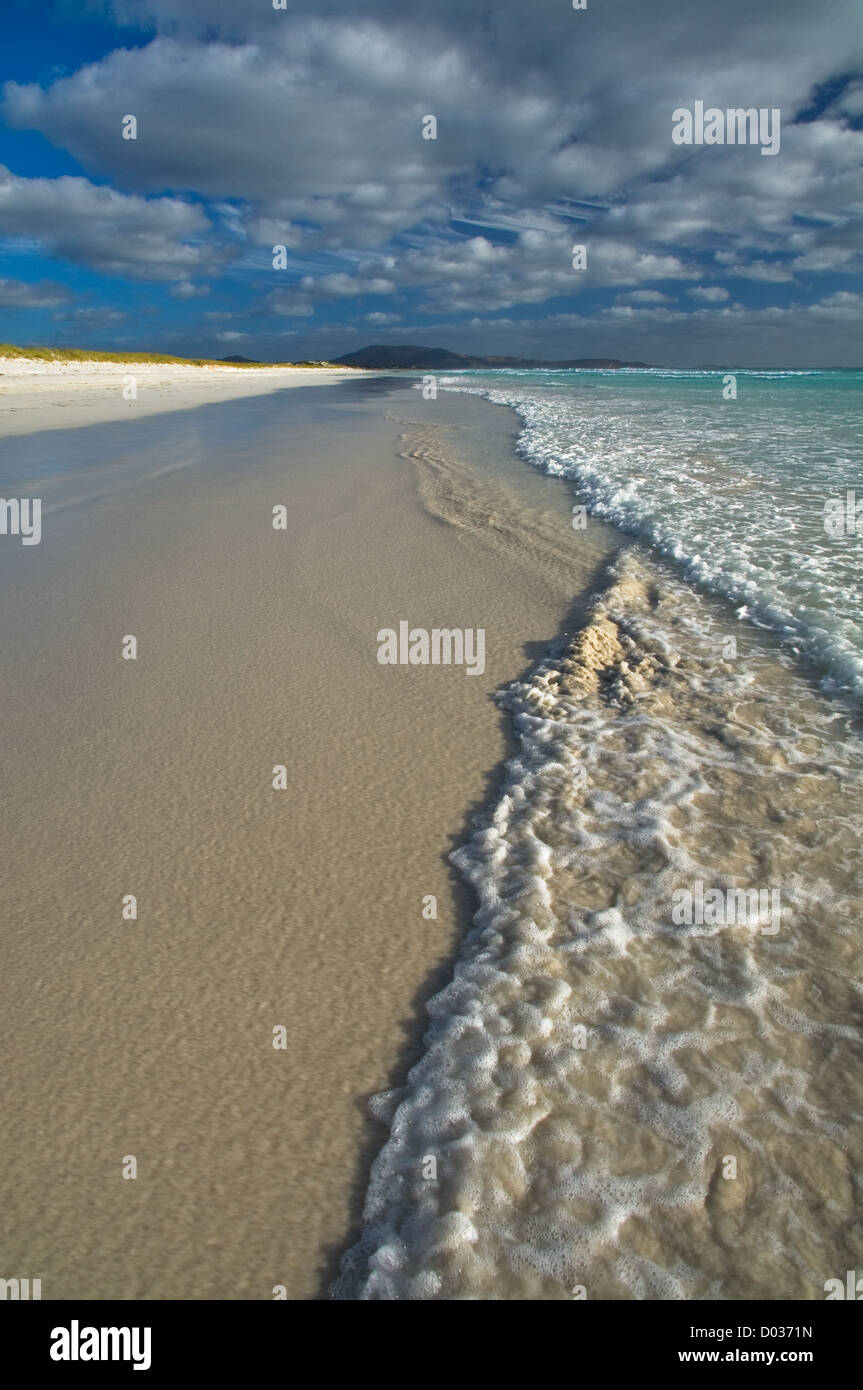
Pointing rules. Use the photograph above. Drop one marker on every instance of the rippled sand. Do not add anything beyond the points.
(256, 908)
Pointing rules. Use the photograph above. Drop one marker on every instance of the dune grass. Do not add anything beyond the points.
(43, 354)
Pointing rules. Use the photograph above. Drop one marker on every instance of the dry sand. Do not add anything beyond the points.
(256, 908)
(38, 395)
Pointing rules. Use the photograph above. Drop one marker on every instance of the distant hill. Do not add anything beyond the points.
(385, 356)
(406, 357)
(253, 361)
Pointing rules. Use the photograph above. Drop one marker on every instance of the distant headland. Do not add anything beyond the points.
(412, 358)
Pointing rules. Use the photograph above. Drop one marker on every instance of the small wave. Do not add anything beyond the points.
(736, 502)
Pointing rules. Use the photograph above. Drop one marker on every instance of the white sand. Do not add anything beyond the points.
(38, 395)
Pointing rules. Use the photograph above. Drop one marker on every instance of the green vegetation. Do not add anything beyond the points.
(96, 355)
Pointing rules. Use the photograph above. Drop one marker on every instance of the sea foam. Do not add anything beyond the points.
(732, 491)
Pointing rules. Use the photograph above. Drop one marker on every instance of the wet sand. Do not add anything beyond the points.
(257, 908)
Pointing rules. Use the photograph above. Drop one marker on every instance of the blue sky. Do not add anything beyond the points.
(303, 127)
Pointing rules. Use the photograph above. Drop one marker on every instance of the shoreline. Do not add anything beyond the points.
(599, 1058)
(257, 908)
(305, 912)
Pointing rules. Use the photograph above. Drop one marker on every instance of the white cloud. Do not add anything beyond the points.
(708, 294)
(186, 290)
(303, 128)
(75, 220)
(644, 297)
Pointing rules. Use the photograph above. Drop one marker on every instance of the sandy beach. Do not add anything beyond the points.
(431, 655)
(257, 909)
(42, 395)
(204, 1095)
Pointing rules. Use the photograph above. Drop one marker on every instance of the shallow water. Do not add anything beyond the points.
(615, 1103)
(736, 492)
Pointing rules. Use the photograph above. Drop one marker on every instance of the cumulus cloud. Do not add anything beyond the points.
(473, 273)
(708, 294)
(303, 128)
(343, 286)
(121, 234)
(288, 305)
(538, 106)
(42, 294)
(93, 317)
(644, 297)
(186, 290)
